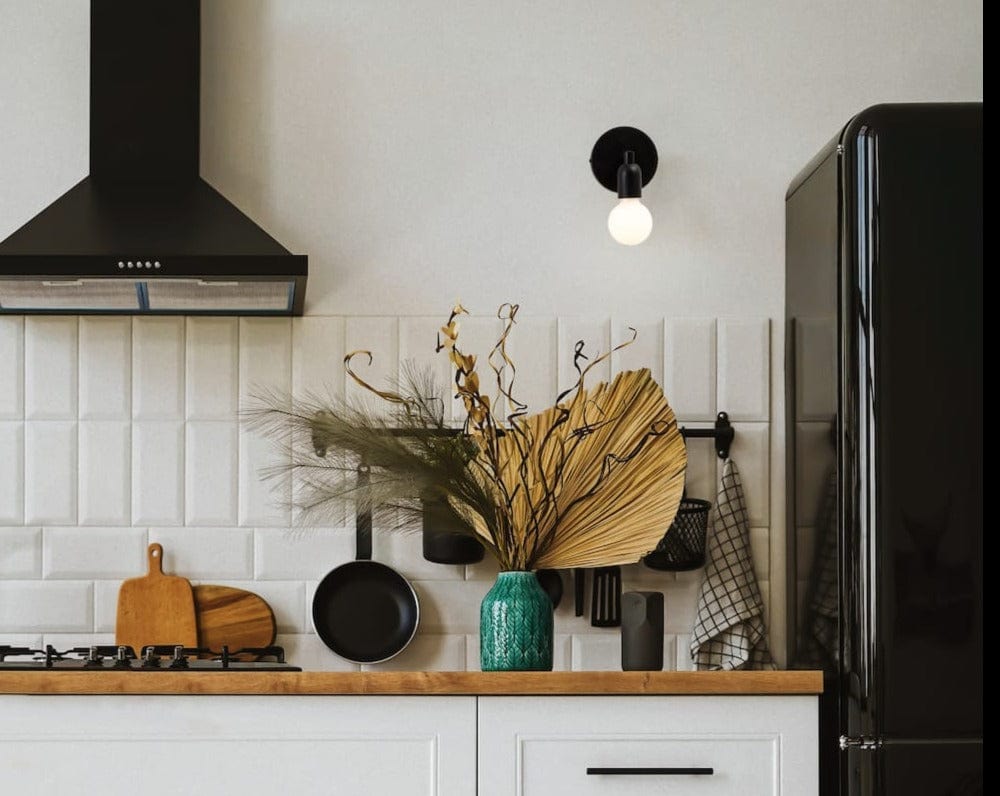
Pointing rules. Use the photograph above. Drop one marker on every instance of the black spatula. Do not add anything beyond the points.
(606, 600)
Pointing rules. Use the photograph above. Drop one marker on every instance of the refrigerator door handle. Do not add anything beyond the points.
(862, 743)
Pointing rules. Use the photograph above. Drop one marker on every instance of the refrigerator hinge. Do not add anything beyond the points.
(864, 744)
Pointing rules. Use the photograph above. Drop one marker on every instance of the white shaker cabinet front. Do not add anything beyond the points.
(639, 746)
(192, 745)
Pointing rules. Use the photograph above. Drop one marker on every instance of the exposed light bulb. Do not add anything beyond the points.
(630, 222)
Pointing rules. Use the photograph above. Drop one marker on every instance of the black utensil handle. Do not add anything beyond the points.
(363, 522)
(579, 588)
(652, 772)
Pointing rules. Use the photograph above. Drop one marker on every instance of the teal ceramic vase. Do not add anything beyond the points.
(515, 625)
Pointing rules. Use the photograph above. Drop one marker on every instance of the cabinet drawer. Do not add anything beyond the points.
(633, 746)
(648, 764)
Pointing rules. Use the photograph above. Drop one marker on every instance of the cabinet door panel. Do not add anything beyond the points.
(351, 746)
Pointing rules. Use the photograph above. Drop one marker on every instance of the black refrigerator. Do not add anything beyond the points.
(884, 435)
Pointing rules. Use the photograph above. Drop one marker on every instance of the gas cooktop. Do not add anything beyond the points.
(160, 658)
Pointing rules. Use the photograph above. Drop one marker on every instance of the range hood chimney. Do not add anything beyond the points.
(143, 233)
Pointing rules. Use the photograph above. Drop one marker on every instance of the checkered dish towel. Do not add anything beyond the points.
(729, 632)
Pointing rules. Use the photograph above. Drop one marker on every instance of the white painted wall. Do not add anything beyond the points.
(423, 151)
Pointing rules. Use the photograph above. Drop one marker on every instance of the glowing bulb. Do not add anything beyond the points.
(630, 222)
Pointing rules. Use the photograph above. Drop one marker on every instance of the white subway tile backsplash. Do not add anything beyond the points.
(11, 473)
(50, 367)
(751, 452)
(11, 367)
(211, 469)
(595, 334)
(206, 554)
(680, 605)
(306, 553)
(158, 473)
(533, 346)
(68, 466)
(645, 352)
(318, 358)
(211, 374)
(403, 551)
(20, 552)
(29, 640)
(380, 337)
(683, 662)
(79, 553)
(106, 602)
(105, 368)
(307, 651)
(689, 367)
(158, 368)
(670, 653)
(450, 606)
(744, 372)
(104, 472)
(264, 496)
(50, 473)
(426, 653)
(40, 606)
(597, 652)
(417, 359)
(265, 358)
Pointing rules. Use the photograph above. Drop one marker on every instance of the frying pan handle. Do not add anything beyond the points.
(363, 522)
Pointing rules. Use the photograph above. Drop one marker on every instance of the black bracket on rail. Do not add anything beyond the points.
(723, 434)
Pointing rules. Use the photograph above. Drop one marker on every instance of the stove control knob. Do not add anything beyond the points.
(179, 660)
(94, 658)
(122, 660)
(150, 660)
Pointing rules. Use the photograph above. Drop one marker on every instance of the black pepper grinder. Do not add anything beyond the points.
(642, 631)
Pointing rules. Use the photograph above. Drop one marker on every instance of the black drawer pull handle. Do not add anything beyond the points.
(696, 772)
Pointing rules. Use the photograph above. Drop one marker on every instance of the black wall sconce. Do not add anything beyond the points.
(624, 160)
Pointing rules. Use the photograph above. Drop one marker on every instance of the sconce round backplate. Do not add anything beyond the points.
(609, 153)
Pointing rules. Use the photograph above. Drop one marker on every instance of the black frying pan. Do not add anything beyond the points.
(364, 611)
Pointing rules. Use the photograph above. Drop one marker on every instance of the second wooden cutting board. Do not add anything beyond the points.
(233, 617)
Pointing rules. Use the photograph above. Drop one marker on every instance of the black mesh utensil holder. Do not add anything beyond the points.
(683, 545)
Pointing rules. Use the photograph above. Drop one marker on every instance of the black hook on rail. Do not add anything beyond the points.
(723, 434)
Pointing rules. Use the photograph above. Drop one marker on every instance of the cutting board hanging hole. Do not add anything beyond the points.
(155, 555)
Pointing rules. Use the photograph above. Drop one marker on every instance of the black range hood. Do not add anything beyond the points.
(144, 233)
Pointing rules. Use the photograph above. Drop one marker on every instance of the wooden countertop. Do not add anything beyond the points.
(414, 683)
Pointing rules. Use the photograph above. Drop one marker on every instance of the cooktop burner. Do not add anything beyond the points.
(161, 658)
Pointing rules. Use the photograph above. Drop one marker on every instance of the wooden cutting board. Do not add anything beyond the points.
(233, 617)
(156, 608)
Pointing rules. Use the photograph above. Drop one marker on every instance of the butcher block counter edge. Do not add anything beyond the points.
(415, 683)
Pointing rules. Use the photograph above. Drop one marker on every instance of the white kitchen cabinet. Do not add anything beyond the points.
(248, 745)
(752, 745)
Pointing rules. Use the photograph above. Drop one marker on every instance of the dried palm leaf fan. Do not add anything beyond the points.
(591, 481)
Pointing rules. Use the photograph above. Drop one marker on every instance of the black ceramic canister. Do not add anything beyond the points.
(642, 631)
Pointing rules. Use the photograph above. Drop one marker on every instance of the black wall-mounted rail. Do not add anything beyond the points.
(723, 434)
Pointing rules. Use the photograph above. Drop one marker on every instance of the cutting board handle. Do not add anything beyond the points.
(154, 554)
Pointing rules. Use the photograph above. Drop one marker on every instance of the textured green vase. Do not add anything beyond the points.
(515, 625)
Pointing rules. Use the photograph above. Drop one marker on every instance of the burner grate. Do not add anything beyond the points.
(161, 657)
